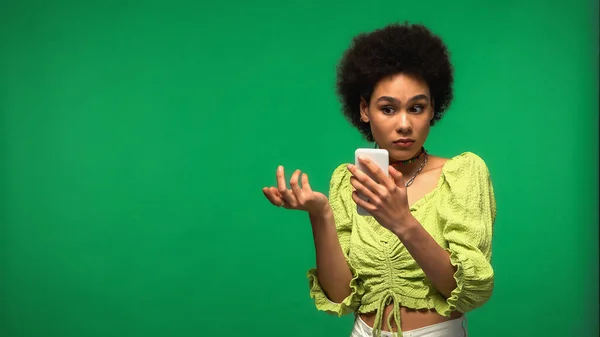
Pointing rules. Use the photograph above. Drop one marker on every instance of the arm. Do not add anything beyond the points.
(334, 284)
(431, 257)
(332, 269)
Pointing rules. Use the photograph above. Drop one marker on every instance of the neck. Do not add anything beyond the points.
(407, 167)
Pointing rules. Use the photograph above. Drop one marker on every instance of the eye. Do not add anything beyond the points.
(417, 108)
(388, 110)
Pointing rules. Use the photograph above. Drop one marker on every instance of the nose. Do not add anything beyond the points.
(403, 123)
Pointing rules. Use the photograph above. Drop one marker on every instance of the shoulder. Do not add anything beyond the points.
(466, 172)
(341, 169)
(339, 182)
(339, 175)
(467, 182)
(466, 164)
(340, 196)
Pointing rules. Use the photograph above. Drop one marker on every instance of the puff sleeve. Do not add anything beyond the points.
(340, 201)
(468, 212)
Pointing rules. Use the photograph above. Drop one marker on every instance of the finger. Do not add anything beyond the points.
(397, 176)
(279, 174)
(370, 167)
(285, 193)
(275, 192)
(295, 184)
(362, 203)
(363, 191)
(375, 171)
(364, 178)
(305, 184)
(272, 195)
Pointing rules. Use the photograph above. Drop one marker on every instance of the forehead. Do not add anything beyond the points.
(401, 86)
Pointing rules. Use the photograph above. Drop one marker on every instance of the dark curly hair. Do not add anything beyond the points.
(393, 49)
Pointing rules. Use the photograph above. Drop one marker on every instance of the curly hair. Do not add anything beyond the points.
(396, 48)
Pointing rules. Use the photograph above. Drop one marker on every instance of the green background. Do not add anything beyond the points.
(135, 138)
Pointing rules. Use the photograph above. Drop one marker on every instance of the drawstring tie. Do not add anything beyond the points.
(385, 301)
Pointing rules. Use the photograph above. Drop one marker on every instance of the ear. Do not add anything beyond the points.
(364, 110)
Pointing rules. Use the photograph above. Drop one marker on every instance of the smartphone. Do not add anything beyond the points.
(381, 158)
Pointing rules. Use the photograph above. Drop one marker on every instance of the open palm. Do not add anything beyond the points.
(300, 197)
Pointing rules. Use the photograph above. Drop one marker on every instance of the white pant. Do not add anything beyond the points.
(451, 328)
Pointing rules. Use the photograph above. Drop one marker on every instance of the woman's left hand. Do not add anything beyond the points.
(386, 195)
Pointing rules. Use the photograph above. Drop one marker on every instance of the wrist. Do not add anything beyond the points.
(321, 213)
(406, 227)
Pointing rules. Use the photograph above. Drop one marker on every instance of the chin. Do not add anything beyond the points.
(403, 154)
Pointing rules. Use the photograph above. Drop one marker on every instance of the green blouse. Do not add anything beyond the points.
(459, 214)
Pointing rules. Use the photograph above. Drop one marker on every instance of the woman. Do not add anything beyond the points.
(422, 259)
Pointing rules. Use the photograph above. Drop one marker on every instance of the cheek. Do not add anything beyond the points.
(379, 126)
(424, 129)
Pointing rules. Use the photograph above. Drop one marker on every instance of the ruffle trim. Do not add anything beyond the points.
(406, 301)
(455, 295)
(323, 303)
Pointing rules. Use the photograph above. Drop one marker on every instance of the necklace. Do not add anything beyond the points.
(425, 157)
(421, 153)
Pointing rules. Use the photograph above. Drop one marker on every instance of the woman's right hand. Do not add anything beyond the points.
(298, 197)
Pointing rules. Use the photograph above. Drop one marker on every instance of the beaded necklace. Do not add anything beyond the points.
(422, 154)
(413, 159)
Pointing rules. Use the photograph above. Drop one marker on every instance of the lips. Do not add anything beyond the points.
(404, 142)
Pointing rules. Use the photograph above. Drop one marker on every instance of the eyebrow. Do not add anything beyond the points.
(397, 101)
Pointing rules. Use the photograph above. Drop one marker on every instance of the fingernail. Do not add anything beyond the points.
(350, 166)
(361, 158)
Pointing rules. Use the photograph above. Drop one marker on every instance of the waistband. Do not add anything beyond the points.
(454, 328)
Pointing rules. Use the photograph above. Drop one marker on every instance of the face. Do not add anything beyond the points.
(399, 113)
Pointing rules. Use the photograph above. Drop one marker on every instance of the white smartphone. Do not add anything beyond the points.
(381, 158)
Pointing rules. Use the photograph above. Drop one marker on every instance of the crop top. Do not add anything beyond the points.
(458, 213)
